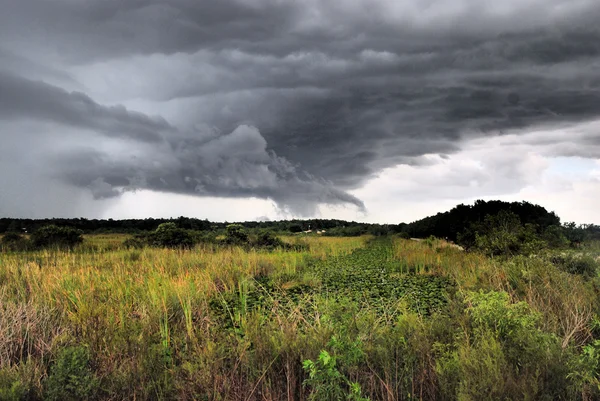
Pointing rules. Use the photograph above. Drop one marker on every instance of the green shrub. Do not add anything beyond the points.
(14, 242)
(326, 382)
(585, 371)
(11, 387)
(584, 265)
(136, 242)
(502, 234)
(168, 235)
(55, 236)
(71, 376)
(236, 235)
(403, 235)
(555, 237)
(295, 228)
(268, 240)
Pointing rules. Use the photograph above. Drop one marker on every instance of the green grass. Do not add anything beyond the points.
(402, 319)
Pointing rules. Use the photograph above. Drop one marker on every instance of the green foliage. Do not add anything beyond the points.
(295, 228)
(168, 235)
(56, 237)
(493, 311)
(325, 379)
(504, 356)
(11, 387)
(584, 265)
(460, 218)
(136, 242)
(391, 320)
(236, 235)
(268, 240)
(555, 237)
(585, 371)
(14, 242)
(575, 234)
(71, 376)
(403, 235)
(351, 231)
(372, 275)
(502, 235)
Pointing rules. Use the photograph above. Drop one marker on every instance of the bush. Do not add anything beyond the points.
(502, 234)
(555, 237)
(71, 376)
(136, 242)
(14, 242)
(168, 235)
(11, 387)
(295, 228)
(236, 235)
(55, 236)
(576, 264)
(585, 371)
(325, 379)
(268, 240)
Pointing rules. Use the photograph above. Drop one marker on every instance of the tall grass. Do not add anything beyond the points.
(204, 324)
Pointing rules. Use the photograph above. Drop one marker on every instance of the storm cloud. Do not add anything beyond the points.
(299, 102)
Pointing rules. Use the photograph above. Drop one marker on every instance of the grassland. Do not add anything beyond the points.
(343, 318)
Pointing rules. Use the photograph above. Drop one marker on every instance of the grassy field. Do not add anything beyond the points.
(344, 318)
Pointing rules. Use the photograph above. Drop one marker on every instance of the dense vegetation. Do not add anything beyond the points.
(132, 226)
(443, 225)
(463, 218)
(239, 313)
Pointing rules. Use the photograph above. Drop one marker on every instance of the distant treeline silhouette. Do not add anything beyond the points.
(132, 226)
(446, 225)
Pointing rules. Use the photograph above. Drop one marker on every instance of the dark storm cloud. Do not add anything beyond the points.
(237, 164)
(339, 90)
(24, 99)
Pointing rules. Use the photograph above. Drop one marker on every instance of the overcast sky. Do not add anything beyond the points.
(370, 110)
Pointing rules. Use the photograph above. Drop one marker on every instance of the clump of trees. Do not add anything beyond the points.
(56, 237)
(14, 242)
(584, 265)
(504, 234)
(170, 235)
(45, 237)
(140, 226)
(166, 235)
(501, 234)
(236, 235)
(450, 224)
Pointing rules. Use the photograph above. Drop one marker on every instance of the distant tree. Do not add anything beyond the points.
(236, 235)
(403, 235)
(55, 236)
(168, 235)
(295, 228)
(460, 218)
(575, 234)
(14, 227)
(378, 230)
(12, 241)
(555, 237)
(268, 240)
(501, 234)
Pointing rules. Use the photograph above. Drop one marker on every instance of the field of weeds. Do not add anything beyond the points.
(339, 318)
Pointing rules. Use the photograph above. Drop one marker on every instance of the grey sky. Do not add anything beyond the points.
(299, 102)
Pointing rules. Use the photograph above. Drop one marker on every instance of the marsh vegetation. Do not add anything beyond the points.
(249, 317)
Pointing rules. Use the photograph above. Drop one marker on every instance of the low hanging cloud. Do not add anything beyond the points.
(161, 157)
(302, 102)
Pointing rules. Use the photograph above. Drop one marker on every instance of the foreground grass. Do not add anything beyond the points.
(402, 320)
